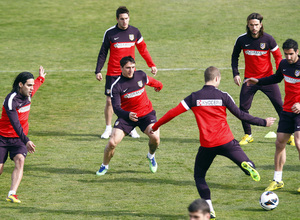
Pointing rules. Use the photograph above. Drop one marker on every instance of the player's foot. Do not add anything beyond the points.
(101, 171)
(253, 172)
(291, 141)
(213, 215)
(13, 199)
(152, 164)
(246, 139)
(106, 134)
(134, 134)
(274, 185)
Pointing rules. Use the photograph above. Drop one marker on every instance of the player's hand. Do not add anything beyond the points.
(270, 121)
(237, 80)
(133, 117)
(42, 72)
(99, 76)
(296, 108)
(30, 147)
(154, 70)
(251, 81)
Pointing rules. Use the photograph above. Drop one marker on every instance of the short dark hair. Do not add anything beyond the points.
(199, 205)
(125, 60)
(290, 44)
(22, 77)
(122, 10)
(210, 73)
(258, 17)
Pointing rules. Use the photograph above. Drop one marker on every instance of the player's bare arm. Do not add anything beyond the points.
(99, 76)
(237, 80)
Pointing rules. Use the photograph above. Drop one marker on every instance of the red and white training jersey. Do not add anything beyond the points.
(129, 94)
(209, 107)
(15, 113)
(121, 43)
(257, 53)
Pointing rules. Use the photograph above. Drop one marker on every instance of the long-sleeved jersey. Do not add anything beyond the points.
(209, 107)
(129, 94)
(121, 43)
(291, 75)
(15, 113)
(257, 55)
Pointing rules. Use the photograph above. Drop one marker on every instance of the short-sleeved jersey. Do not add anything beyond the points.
(15, 113)
(121, 43)
(129, 95)
(257, 53)
(291, 75)
(209, 107)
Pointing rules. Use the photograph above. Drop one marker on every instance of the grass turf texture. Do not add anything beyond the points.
(67, 112)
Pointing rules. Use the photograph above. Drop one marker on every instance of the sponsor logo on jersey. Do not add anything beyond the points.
(123, 45)
(255, 52)
(131, 37)
(291, 80)
(24, 109)
(140, 83)
(134, 94)
(209, 102)
(262, 46)
(297, 73)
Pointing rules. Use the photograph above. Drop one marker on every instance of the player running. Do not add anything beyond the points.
(209, 107)
(133, 108)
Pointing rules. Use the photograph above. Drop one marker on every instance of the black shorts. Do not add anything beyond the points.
(127, 125)
(289, 122)
(12, 145)
(109, 81)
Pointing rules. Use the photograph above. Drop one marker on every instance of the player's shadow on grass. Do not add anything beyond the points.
(94, 213)
(56, 170)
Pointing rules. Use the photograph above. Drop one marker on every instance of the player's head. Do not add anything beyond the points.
(127, 66)
(212, 75)
(122, 16)
(199, 210)
(254, 25)
(291, 51)
(23, 83)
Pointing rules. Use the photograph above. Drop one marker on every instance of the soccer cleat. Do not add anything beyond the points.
(274, 185)
(213, 215)
(134, 134)
(13, 199)
(253, 172)
(101, 171)
(298, 190)
(106, 134)
(246, 139)
(291, 141)
(152, 164)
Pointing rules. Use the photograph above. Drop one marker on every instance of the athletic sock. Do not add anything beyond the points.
(11, 192)
(106, 166)
(210, 205)
(277, 176)
(150, 156)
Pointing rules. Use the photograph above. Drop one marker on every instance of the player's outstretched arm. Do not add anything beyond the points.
(270, 121)
(42, 72)
(251, 81)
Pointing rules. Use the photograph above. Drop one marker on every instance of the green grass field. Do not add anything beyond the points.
(183, 37)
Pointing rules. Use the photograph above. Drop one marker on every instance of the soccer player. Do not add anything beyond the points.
(257, 47)
(199, 210)
(209, 107)
(289, 70)
(121, 40)
(14, 127)
(133, 108)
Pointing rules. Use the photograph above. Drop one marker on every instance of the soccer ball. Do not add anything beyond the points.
(268, 200)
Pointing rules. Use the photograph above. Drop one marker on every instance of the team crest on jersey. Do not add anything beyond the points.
(131, 37)
(297, 73)
(117, 122)
(262, 46)
(140, 83)
(108, 91)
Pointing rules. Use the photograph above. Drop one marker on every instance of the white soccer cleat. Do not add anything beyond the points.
(134, 134)
(106, 134)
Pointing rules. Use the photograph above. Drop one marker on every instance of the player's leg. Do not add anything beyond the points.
(108, 113)
(246, 97)
(204, 159)
(297, 141)
(273, 93)
(3, 157)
